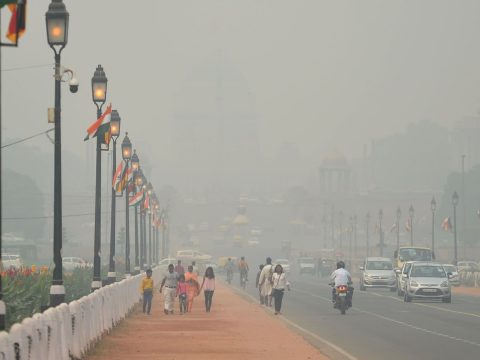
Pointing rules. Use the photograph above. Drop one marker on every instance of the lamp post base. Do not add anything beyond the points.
(136, 270)
(96, 284)
(57, 295)
(2, 315)
(128, 275)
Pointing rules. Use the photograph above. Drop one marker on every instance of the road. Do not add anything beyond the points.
(380, 325)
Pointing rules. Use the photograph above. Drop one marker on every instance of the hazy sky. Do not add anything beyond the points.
(322, 74)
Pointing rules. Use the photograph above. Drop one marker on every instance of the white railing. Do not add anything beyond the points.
(70, 331)
(469, 277)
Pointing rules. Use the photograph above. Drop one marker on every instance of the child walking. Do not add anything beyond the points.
(208, 284)
(182, 294)
(147, 291)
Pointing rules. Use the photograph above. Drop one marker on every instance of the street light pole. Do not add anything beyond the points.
(433, 207)
(99, 95)
(127, 155)
(340, 220)
(380, 217)
(115, 131)
(355, 236)
(135, 168)
(57, 35)
(455, 203)
(399, 215)
(411, 212)
(367, 218)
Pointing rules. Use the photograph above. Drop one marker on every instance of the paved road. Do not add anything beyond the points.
(381, 326)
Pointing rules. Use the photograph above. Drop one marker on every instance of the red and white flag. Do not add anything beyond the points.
(117, 177)
(92, 129)
(135, 199)
(447, 225)
(146, 203)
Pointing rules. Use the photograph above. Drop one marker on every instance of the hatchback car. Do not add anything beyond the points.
(402, 276)
(427, 281)
(377, 272)
(454, 277)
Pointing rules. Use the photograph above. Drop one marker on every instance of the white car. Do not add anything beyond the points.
(377, 272)
(70, 263)
(10, 260)
(306, 265)
(163, 264)
(453, 277)
(402, 276)
(285, 264)
(192, 255)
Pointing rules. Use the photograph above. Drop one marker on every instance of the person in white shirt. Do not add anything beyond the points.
(265, 282)
(279, 284)
(341, 277)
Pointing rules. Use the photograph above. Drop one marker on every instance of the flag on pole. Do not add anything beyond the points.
(92, 129)
(408, 225)
(146, 202)
(135, 199)
(447, 225)
(125, 177)
(117, 176)
(17, 23)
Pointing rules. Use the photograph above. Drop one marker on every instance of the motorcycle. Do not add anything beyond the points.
(342, 298)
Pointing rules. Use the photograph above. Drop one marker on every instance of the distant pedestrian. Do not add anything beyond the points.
(195, 267)
(179, 269)
(280, 283)
(257, 285)
(147, 290)
(192, 286)
(182, 294)
(170, 281)
(208, 286)
(266, 282)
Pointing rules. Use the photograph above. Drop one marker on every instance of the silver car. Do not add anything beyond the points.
(454, 277)
(377, 272)
(427, 280)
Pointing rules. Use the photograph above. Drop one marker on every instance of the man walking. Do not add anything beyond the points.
(266, 282)
(179, 269)
(170, 281)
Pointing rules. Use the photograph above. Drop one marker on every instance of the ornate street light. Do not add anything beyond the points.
(367, 223)
(433, 207)
(399, 215)
(135, 162)
(411, 212)
(455, 203)
(380, 230)
(56, 19)
(127, 155)
(99, 88)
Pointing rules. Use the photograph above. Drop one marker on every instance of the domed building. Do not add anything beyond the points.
(335, 174)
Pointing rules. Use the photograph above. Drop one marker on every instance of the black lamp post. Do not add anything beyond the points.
(399, 215)
(380, 230)
(367, 221)
(411, 212)
(136, 167)
(455, 203)
(57, 35)
(355, 236)
(340, 221)
(127, 155)
(139, 181)
(99, 95)
(433, 207)
(115, 132)
(149, 192)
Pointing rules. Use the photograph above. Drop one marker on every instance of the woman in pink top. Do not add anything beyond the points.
(208, 286)
(182, 294)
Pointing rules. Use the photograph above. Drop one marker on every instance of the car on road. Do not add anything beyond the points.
(11, 261)
(284, 263)
(468, 266)
(163, 264)
(306, 265)
(454, 277)
(402, 276)
(192, 255)
(377, 272)
(71, 263)
(427, 280)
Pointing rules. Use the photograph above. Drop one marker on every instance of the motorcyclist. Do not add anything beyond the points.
(341, 277)
(243, 268)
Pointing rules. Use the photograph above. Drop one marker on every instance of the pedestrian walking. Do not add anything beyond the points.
(257, 285)
(195, 267)
(266, 282)
(182, 294)
(280, 283)
(179, 269)
(208, 286)
(191, 279)
(170, 282)
(147, 290)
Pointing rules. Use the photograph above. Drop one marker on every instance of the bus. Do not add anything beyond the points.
(412, 253)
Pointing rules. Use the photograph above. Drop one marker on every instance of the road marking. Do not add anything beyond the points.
(401, 300)
(398, 322)
(302, 329)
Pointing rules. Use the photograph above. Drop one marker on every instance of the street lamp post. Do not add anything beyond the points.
(367, 221)
(136, 167)
(340, 220)
(355, 236)
(433, 207)
(411, 212)
(127, 155)
(399, 215)
(350, 241)
(99, 95)
(115, 132)
(455, 203)
(56, 19)
(149, 192)
(380, 230)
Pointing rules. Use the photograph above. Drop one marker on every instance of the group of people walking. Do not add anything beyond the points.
(180, 284)
(272, 283)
